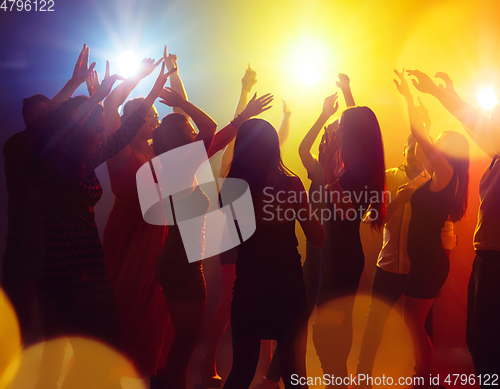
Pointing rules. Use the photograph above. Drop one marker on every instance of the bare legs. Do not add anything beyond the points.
(220, 321)
(415, 314)
(187, 318)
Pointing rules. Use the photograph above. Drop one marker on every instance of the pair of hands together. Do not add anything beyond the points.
(85, 73)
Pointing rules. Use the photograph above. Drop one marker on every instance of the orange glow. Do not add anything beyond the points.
(10, 339)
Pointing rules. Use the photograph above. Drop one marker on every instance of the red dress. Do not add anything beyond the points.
(131, 247)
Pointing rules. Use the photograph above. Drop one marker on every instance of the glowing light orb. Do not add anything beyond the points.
(487, 98)
(308, 74)
(10, 339)
(127, 63)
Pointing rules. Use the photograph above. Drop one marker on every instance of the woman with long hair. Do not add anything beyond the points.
(131, 245)
(352, 158)
(182, 281)
(443, 197)
(483, 299)
(269, 300)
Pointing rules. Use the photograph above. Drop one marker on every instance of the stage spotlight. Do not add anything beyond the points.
(127, 63)
(487, 98)
(308, 74)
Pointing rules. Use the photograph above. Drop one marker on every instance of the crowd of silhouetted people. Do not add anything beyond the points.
(124, 290)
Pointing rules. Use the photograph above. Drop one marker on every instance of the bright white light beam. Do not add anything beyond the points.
(487, 98)
(127, 63)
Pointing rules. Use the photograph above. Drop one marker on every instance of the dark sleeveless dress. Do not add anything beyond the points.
(269, 298)
(429, 262)
(181, 280)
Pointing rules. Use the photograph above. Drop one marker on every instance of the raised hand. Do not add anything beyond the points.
(330, 105)
(423, 82)
(160, 81)
(82, 71)
(249, 79)
(169, 59)
(343, 82)
(106, 86)
(146, 67)
(257, 105)
(93, 82)
(171, 97)
(402, 86)
(286, 108)
(448, 83)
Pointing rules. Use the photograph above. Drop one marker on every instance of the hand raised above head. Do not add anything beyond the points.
(257, 105)
(161, 80)
(448, 83)
(93, 83)
(331, 105)
(146, 67)
(402, 86)
(249, 79)
(171, 97)
(343, 82)
(169, 59)
(82, 71)
(106, 86)
(286, 108)
(423, 82)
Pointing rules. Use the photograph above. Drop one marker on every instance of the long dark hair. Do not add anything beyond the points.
(170, 134)
(361, 147)
(256, 154)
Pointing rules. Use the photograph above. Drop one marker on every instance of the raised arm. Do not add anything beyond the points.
(345, 86)
(81, 73)
(450, 88)
(175, 79)
(206, 126)
(120, 94)
(470, 117)
(442, 168)
(330, 106)
(128, 130)
(254, 107)
(247, 82)
(284, 129)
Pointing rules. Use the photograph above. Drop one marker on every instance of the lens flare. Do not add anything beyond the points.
(127, 63)
(487, 98)
(308, 74)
